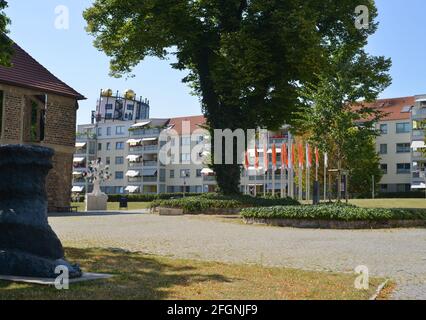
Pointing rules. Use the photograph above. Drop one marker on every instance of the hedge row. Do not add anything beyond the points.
(333, 212)
(207, 201)
(147, 197)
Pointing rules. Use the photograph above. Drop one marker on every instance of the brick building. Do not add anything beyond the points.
(38, 108)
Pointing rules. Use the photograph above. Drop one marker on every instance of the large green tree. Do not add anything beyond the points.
(336, 116)
(5, 42)
(246, 58)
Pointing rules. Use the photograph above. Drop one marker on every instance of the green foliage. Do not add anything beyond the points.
(147, 197)
(363, 163)
(5, 42)
(207, 201)
(246, 59)
(333, 212)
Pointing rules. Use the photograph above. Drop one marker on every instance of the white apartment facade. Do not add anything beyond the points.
(131, 149)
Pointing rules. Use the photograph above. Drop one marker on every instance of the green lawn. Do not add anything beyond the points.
(391, 203)
(138, 276)
(113, 206)
(386, 203)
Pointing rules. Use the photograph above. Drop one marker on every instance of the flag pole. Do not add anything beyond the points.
(325, 176)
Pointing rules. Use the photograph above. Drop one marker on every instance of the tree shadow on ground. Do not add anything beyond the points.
(136, 276)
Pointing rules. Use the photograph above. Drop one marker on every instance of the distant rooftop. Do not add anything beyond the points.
(26, 72)
(394, 108)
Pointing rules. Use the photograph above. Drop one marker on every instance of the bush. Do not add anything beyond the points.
(206, 201)
(146, 197)
(332, 212)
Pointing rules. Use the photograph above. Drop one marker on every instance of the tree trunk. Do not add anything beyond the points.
(228, 176)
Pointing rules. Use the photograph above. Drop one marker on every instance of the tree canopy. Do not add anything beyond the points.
(246, 59)
(336, 117)
(5, 42)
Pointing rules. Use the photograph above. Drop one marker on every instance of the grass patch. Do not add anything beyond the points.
(140, 276)
(207, 201)
(390, 203)
(114, 206)
(333, 212)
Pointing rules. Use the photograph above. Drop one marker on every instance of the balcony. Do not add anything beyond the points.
(209, 179)
(150, 179)
(419, 113)
(145, 132)
(150, 163)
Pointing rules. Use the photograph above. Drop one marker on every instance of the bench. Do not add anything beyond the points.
(67, 209)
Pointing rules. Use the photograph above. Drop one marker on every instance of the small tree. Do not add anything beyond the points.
(334, 117)
(5, 42)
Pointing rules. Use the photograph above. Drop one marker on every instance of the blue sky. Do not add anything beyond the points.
(69, 54)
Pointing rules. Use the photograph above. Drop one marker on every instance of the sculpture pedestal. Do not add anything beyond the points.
(28, 246)
(96, 202)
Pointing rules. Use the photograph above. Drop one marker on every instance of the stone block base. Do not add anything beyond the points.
(96, 202)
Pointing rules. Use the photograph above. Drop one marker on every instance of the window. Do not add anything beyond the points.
(383, 129)
(34, 121)
(185, 173)
(384, 168)
(108, 146)
(108, 106)
(108, 131)
(403, 148)
(186, 141)
(185, 157)
(119, 145)
(99, 146)
(99, 132)
(383, 188)
(119, 175)
(130, 107)
(108, 116)
(1, 111)
(107, 161)
(172, 174)
(119, 160)
(383, 149)
(119, 130)
(403, 127)
(403, 188)
(198, 173)
(403, 168)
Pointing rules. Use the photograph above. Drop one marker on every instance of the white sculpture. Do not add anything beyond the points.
(97, 200)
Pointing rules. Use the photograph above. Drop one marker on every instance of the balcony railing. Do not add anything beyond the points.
(145, 132)
(150, 163)
(150, 179)
(209, 178)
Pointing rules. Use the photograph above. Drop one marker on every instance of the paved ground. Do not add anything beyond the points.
(399, 254)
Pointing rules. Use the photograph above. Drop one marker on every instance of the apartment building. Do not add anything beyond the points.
(394, 143)
(132, 149)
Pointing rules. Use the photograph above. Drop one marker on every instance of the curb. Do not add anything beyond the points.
(379, 290)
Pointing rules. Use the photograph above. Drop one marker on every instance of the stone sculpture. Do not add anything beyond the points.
(28, 245)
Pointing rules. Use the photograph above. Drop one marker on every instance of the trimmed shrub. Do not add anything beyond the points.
(147, 197)
(207, 201)
(333, 212)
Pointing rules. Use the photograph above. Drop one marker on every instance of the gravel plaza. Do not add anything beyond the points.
(397, 254)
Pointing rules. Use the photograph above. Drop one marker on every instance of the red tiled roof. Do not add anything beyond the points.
(26, 72)
(196, 123)
(393, 108)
